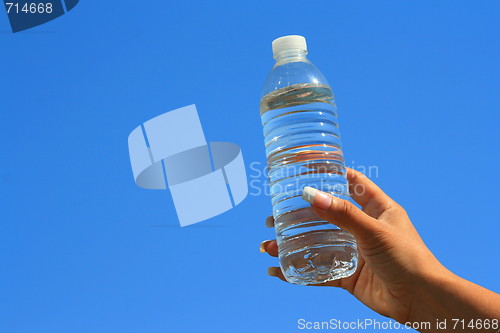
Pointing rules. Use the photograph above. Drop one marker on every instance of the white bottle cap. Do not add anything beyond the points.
(289, 43)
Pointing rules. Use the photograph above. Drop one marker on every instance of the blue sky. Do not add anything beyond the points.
(83, 249)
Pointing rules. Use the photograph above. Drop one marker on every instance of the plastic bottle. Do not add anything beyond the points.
(303, 148)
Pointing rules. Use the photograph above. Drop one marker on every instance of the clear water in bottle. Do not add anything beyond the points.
(303, 148)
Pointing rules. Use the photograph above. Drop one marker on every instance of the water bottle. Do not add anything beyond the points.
(303, 148)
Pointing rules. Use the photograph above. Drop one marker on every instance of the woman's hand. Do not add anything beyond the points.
(397, 275)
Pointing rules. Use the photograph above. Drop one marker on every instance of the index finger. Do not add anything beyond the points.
(367, 193)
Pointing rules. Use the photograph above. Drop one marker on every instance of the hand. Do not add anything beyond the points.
(397, 275)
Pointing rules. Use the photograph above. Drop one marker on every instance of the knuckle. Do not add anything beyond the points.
(397, 209)
(344, 207)
(380, 234)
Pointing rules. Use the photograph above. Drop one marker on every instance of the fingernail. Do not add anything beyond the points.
(269, 222)
(263, 246)
(273, 271)
(316, 198)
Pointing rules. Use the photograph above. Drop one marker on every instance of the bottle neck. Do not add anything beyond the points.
(292, 55)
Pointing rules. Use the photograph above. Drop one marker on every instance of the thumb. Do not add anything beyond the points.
(342, 213)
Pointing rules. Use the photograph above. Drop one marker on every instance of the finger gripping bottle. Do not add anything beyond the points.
(301, 134)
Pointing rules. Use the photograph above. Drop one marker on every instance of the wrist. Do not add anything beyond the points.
(444, 296)
(431, 293)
